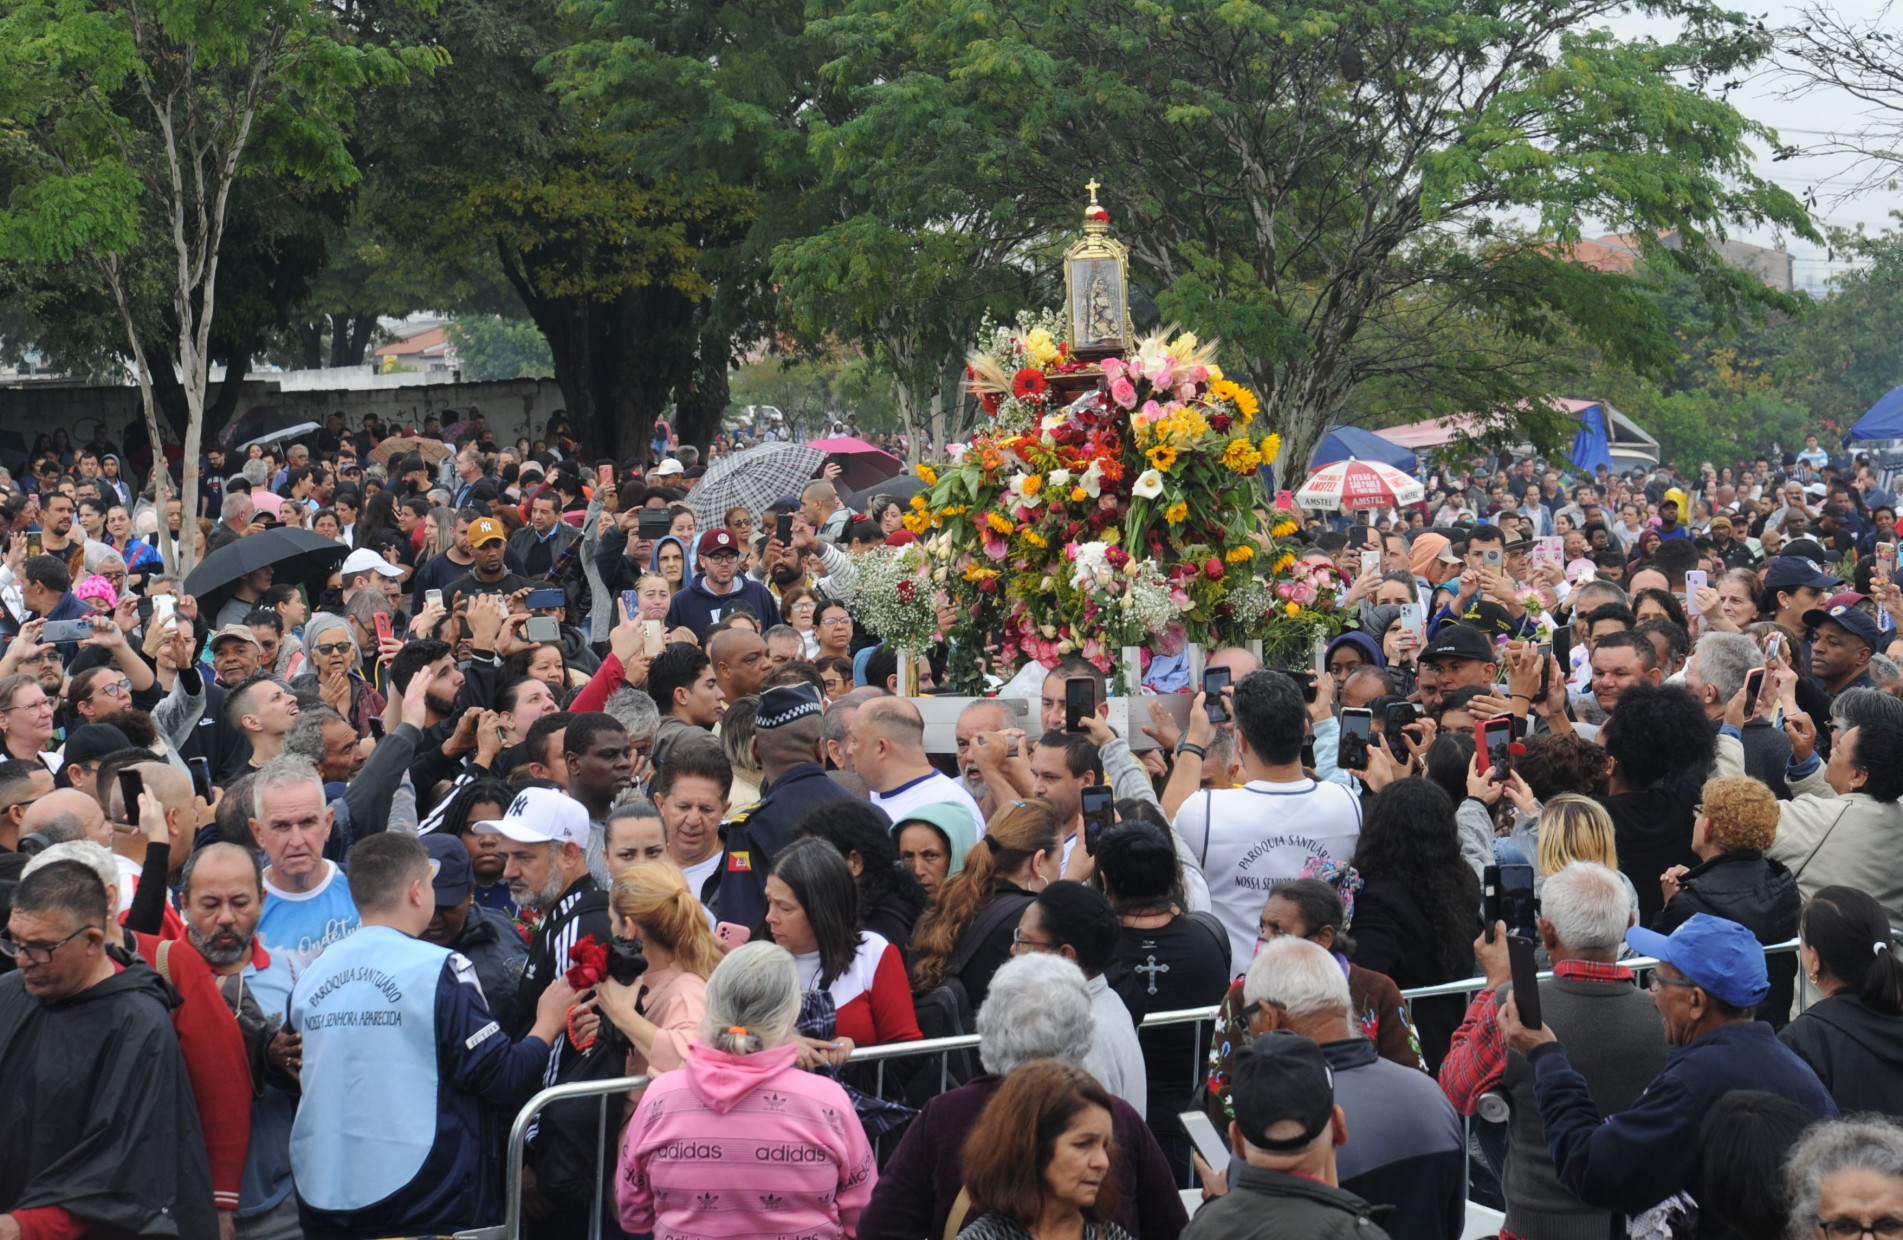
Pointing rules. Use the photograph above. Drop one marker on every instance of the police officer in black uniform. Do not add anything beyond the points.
(786, 741)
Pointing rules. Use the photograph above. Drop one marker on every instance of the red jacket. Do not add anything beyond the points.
(215, 1060)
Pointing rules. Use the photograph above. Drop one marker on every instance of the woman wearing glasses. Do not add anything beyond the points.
(833, 622)
(26, 720)
(332, 648)
(1845, 1181)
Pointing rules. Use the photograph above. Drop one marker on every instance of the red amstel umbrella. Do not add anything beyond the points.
(1355, 485)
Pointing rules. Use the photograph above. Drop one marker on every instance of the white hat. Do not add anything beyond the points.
(364, 560)
(540, 816)
(670, 466)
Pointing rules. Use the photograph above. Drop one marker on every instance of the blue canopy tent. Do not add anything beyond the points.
(1342, 442)
(1883, 421)
(1592, 447)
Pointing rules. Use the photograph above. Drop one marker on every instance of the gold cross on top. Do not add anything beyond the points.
(1093, 186)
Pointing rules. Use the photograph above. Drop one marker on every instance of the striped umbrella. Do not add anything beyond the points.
(1355, 484)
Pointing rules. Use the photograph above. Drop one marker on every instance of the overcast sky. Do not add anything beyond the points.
(1806, 123)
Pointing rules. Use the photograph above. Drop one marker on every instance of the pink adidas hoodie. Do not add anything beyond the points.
(744, 1145)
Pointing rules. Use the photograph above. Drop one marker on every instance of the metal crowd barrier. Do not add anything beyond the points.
(879, 1056)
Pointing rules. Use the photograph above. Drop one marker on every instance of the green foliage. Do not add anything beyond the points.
(492, 347)
(1318, 184)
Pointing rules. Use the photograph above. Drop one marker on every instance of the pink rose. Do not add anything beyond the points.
(1185, 390)
(995, 547)
(1113, 368)
(1123, 392)
(1151, 410)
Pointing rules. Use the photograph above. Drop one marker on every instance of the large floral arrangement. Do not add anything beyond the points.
(1128, 516)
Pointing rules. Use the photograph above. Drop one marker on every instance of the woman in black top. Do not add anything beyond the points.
(1659, 743)
(1419, 912)
(890, 898)
(1166, 960)
(1852, 1037)
(965, 936)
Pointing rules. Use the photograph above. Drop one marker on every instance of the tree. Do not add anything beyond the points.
(1295, 177)
(137, 117)
(492, 347)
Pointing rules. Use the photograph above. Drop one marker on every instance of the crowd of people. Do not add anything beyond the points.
(310, 885)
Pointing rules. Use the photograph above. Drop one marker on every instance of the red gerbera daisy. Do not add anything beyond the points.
(1029, 384)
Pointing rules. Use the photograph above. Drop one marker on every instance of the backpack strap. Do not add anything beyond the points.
(955, 1221)
(1005, 906)
(1209, 827)
(164, 960)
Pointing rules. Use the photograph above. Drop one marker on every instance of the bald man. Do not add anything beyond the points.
(885, 745)
(740, 662)
(173, 788)
(820, 506)
(67, 814)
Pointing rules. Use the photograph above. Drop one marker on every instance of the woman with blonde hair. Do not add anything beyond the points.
(661, 1013)
(966, 934)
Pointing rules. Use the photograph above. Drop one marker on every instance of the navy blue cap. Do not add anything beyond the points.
(1854, 622)
(1721, 956)
(1791, 572)
(450, 871)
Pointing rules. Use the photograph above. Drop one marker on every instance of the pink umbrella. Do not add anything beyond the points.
(865, 466)
(1356, 485)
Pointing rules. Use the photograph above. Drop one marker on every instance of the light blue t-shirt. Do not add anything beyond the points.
(299, 925)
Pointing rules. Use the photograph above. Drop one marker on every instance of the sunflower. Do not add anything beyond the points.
(928, 475)
(1271, 448)
(1283, 529)
(1245, 402)
(1240, 457)
(1176, 513)
(1240, 554)
(1162, 457)
(999, 522)
(1036, 539)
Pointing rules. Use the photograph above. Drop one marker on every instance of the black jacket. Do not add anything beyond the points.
(100, 1084)
(1274, 1205)
(1394, 936)
(1758, 893)
(1653, 832)
(1855, 1050)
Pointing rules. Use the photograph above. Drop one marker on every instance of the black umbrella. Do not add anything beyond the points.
(262, 424)
(299, 556)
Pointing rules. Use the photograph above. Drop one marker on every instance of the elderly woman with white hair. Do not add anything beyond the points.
(1844, 1181)
(330, 641)
(741, 1131)
(214, 1050)
(1038, 1007)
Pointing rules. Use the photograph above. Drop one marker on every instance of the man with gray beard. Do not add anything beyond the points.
(546, 846)
(222, 898)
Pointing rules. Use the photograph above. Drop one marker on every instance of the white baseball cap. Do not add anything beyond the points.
(540, 816)
(364, 560)
(671, 465)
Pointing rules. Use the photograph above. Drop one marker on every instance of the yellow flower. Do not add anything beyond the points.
(1162, 457)
(1240, 554)
(1271, 448)
(917, 522)
(1282, 565)
(1036, 539)
(918, 503)
(1033, 483)
(1240, 457)
(1039, 347)
(1176, 512)
(977, 572)
(999, 522)
(1293, 609)
(1078, 495)
(1283, 529)
(1183, 345)
(1214, 371)
(928, 475)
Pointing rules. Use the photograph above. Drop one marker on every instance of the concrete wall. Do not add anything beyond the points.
(512, 406)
